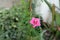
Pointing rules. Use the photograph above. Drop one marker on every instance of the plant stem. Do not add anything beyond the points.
(30, 5)
(53, 16)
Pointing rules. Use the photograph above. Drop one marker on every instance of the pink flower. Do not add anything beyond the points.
(35, 22)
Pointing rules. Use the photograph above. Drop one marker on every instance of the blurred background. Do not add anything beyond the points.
(14, 22)
(8, 3)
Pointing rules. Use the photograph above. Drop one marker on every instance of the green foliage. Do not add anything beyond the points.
(58, 18)
(14, 24)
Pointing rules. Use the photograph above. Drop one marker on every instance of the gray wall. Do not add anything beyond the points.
(8, 3)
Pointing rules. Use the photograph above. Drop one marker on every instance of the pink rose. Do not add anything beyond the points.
(35, 22)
